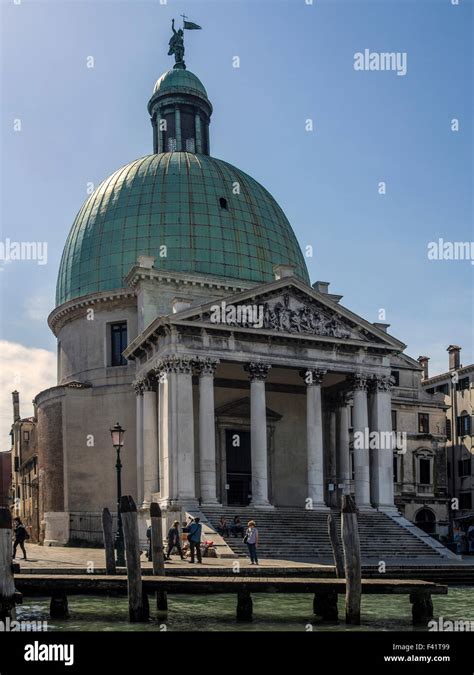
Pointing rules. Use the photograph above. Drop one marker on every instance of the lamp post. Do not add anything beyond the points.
(117, 434)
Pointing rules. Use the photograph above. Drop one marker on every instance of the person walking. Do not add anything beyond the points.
(20, 536)
(194, 537)
(174, 540)
(148, 536)
(251, 539)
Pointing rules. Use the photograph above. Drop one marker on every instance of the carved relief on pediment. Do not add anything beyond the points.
(284, 313)
(293, 316)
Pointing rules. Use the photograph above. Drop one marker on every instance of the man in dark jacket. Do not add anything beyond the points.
(20, 535)
(174, 540)
(194, 537)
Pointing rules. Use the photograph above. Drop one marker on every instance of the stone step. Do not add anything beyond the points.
(300, 533)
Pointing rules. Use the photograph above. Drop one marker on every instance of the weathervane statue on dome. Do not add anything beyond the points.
(176, 42)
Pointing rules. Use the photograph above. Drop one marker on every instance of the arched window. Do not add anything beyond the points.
(425, 519)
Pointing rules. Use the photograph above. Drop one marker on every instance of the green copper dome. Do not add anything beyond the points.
(177, 80)
(186, 202)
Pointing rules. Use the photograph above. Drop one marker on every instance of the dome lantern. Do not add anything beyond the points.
(179, 108)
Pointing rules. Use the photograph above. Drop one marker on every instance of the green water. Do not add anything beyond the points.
(271, 613)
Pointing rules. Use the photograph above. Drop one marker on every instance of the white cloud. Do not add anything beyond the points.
(29, 371)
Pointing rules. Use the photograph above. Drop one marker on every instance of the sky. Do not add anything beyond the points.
(320, 135)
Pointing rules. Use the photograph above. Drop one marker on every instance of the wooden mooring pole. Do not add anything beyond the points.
(7, 584)
(157, 554)
(352, 565)
(108, 542)
(137, 598)
(59, 608)
(244, 605)
(336, 547)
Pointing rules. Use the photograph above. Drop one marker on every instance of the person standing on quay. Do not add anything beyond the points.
(194, 538)
(20, 536)
(174, 540)
(251, 539)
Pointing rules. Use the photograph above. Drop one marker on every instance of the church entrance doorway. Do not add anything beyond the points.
(239, 467)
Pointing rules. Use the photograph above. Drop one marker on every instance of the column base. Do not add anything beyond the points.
(266, 505)
(364, 507)
(388, 508)
(210, 502)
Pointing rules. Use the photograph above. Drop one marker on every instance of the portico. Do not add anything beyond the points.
(292, 401)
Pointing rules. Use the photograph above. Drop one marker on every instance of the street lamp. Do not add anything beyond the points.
(117, 434)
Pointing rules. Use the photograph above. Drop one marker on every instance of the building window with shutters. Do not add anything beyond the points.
(465, 500)
(396, 468)
(425, 471)
(424, 466)
(118, 342)
(463, 424)
(464, 467)
(448, 429)
(423, 423)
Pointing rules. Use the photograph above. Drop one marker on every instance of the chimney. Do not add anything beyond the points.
(321, 286)
(454, 357)
(16, 405)
(381, 326)
(423, 361)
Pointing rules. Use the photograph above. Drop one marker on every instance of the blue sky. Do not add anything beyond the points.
(79, 124)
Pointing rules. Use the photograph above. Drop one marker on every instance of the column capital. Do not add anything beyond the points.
(149, 382)
(359, 381)
(382, 383)
(206, 366)
(257, 371)
(312, 376)
(175, 364)
(138, 387)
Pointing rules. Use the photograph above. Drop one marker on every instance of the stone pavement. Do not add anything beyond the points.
(60, 557)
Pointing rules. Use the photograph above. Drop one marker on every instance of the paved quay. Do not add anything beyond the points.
(69, 557)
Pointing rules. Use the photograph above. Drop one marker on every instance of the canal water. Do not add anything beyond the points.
(271, 613)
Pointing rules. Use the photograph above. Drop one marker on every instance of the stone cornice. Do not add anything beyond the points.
(60, 313)
(183, 279)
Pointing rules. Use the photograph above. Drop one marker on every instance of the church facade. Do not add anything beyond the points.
(185, 312)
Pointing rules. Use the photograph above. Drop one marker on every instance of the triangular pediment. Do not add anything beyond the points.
(287, 307)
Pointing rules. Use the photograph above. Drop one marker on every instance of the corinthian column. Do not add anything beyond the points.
(381, 478)
(207, 430)
(138, 386)
(361, 444)
(150, 439)
(342, 444)
(314, 437)
(177, 432)
(258, 432)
